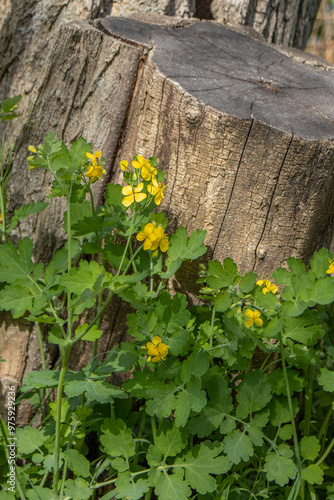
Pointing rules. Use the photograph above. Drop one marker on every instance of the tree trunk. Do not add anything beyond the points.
(244, 132)
(284, 22)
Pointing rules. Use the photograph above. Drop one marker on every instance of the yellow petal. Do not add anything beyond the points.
(90, 156)
(260, 282)
(32, 149)
(249, 313)
(156, 340)
(128, 200)
(248, 322)
(256, 314)
(97, 154)
(258, 321)
(139, 188)
(164, 244)
(147, 244)
(124, 164)
(141, 236)
(140, 197)
(127, 190)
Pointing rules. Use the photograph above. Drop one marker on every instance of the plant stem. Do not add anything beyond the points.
(63, 478)
(308, 400)
(99, 302)
(69, 262)
(151, 272)
(292, 417)
(132, 260)
(40, 339)
(329, 448)
(134, 215)
(212, 323)
(58, 422)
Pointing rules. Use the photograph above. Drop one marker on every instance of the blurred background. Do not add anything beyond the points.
(321, 42)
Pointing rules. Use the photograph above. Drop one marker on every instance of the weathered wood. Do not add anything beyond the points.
(244, 133)
(287, 22)
(84, 90)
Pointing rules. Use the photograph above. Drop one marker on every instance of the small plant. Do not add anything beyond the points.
(229, 399)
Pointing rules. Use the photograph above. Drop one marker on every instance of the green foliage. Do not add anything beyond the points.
(229, 398)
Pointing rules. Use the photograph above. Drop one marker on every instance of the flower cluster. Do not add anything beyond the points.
(253, 317)
(140, 178)
(268, 287)
(153, 237)
(156, 349)
(95, 169)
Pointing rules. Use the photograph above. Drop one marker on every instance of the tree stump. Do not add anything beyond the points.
(243, 129)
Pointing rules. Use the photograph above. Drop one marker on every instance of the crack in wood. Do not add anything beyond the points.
(256, 260)
(232, 189)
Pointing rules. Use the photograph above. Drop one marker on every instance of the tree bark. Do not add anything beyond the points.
(284, 22)
(244, 132)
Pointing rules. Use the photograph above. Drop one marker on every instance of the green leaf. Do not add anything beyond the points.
(93, 223)
(282, 276)
(320, 262)
(172, 312)
(93, 334)
(78, 212)
(273, 328)
(326, 379)
(17, 299)
(117, 439)
(222, 301)
(15, 265)
(29, 439)
(163, 400)
(322, 291)
(248, 282)
(172, 487)
(313, 474)
(78, 280)
(113, 196)
(78, 488)
(126, 487)
(219, 276)
(65, 406)
(277, 382)
(279, 410)
(77, 463)
(142, 326)
(191, 397)
(202, 461)
(78, 152)
(304, 329)
(214, 413)
(254, 431)
(95, 390)
(238, 446)
(8, 104)
(170, 440)
(186, 248)
(279, 467)
(296, 266)
(42, 379)
(196, 364)
(38, 493)
(254, 393)
(25, 210)
(309, 447)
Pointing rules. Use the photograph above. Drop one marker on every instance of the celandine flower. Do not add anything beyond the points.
(253, 317)
(268, 286)
(132, 195)
(156, 350)
(95, 170)
(148, 236)
(330, 270)
(147, 171)
(124, 165)
(156, 190)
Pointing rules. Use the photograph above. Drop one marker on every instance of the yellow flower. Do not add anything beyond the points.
(147, 171)
(32, 149)
(330, 270)
(156, 190)
(1, 218)
(95, 170)
(156, 350)
(253, 317)
(148, 235)
(268, 286)
(153, 237)
(132, 195)
(94, 157)
(124, 164)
